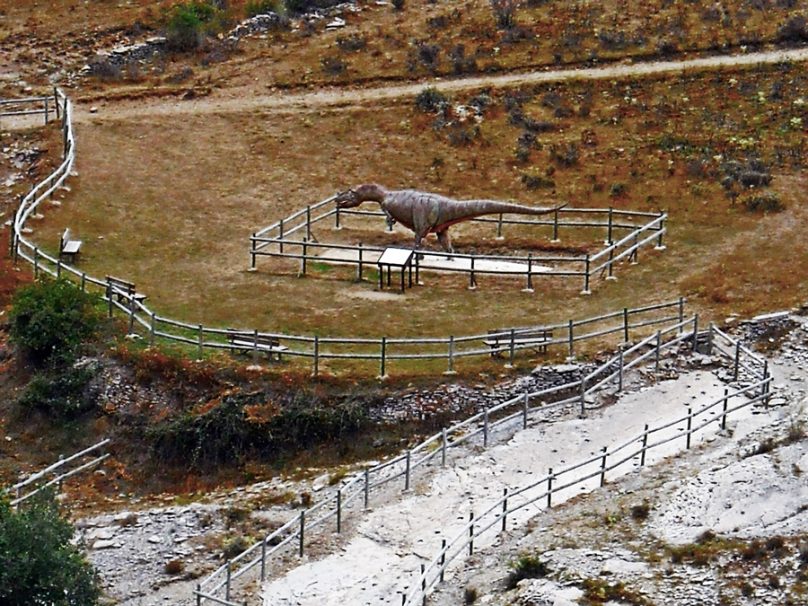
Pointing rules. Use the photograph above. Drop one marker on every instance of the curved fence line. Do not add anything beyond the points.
(382, 350)
(295, 232)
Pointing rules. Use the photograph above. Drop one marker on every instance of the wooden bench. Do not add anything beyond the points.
(68, 247)
(247, 342)
(533, 338)
(123, 290)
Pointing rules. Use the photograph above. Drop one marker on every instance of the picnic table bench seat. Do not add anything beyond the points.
(534, 338)
(248, 342)
(68, 247)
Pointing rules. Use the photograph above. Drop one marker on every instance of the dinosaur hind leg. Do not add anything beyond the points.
(445, 240)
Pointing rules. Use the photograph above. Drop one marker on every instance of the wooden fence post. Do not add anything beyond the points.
(658, 346)
(451, 370)
(339, 510)
(603, 467)
(499, 227)
(383, 368)
(660, 244)
(151, 328)
(303, 257)
(471, 533)
(280, 236)
(445, 442)
(696, 333)
(529, 286)
(263, 559)
(442, 558)
(620, 374)
(407, 467)
(359, 267)
(472, 278)
(485, 428)
(302, 531)
(227, 581)
(252, 252)
(524, 410)
(550, 488)
(609, 228)
(571, 356)
(644, 445)
(316, 355)
(724, 415)
(625, 325)
(504, 509)
(586, 290)
(555, 226)
(511, 349)
(737, 369)
(36, 263)
(583, 397)
(308, 222)
(689, 424)
(201, 339)
(367, 487)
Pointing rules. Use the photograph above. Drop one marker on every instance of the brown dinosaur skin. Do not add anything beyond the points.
(426, 213)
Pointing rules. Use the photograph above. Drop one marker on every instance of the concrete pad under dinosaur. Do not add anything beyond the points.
(433, 261)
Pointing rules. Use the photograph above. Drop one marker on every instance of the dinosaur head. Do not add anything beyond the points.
(367, 192)
(347, 199)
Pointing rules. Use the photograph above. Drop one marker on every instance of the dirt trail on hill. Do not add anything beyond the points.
(332, 98)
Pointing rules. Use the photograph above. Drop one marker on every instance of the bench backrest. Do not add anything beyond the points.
(505, 333)
(66, 237)
(119, 284)
(260, 339)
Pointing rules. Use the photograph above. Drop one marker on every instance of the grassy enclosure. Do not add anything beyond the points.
(170, 203)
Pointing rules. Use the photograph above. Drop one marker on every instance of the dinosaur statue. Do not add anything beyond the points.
(426, 213)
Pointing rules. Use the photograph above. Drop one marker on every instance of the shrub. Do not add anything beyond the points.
(352, 43)
(61, 392)
(526, 567)
(766, 202)
(537, 182)
(398, 5)
(641, 511)
(794, 30)
(235, 547)
(40, 565)
(174, 567)
(188, 23)
(50, 319)
(617, 189)
(470, 595)
(504, 13)
(333, 66)
(263, 7)
(565, 154)
(431, 100)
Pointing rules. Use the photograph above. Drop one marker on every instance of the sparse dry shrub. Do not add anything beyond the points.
(768, 202)
(333, 66)
(174, 567)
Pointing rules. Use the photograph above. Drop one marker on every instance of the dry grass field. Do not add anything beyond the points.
(170, 203)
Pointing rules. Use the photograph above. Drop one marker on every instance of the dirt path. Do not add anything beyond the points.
(350, 97)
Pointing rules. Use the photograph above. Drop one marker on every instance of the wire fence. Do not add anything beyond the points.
(57, 473)
(293, 238)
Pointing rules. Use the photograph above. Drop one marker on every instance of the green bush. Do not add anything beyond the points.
(50, 319)
(39, 564)
(60, 391)
(262, 7)
(188, 23)
(526, 567)
(232, 429)
(768, 202)
(431, 100)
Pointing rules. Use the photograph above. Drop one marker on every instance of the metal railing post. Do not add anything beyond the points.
(644, 445)
(583, 397)
(445, 445)
(151, 328)
(658, 347)
(450, 370)
(485, 428)
(280, 236)
(504, 509)
(383, 368)
(529, 287)
(689, 425)
(499, 227)
(201, 338)
(625, 325)
(550, 488)
(359, 266)
(227, 581)
(620, 374)
(263, 559)
(609, 228)
(724, 414)
(555, 226)
(308, 222)
(442, 558)
(316, 355)
(524, 410)
(511, 348)
(302, 531)
(737, 369)
(303, 257)
(339, 510)
(571, 340)
(696, 333)
(407, 467)
(252, 252)
(367, 487)
(471, 533)
(586, 290)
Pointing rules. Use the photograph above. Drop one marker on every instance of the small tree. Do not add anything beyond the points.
(38, 564)
(504, 12)
(50, 319)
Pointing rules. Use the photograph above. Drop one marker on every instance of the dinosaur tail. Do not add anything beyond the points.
(468, 209)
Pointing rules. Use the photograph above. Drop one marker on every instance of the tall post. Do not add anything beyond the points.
(625, 325)
(710, 338)
(737, 368)
(383, 369)
(471, 533)
(472, 278)
(766, 386)
(255, 346)
(555, 226)
(511, 348)
(442, 558)
(583, 397)
(308, 222)
(339, 510)
(504, 509)
(524, 410)
(56, 102)
(109, 296)
(367, 487)
(316, 355)
(610, 275)
(689, 424)
(151, 328)
(263, 559)
(280, 236)
(681, 313)
(499, 227)
(47, 110)
(303, 257)
(451, 370)
(658, 347)
(571, 340)
(586, 290)
(444, 447)
(696, 333)
(485, 428)
(200, 341)
(407, 467)
(336, 219)
(609, 229)
(198, 593)
(302, 531)
(644, 445)
(58, 267)
(529, 287)
(620, 373)
(724, 415)
(359, 266)
(603, 467)
(36, 263)
(660, 243)
(550, 488)
(227, 581)
(252, 252)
